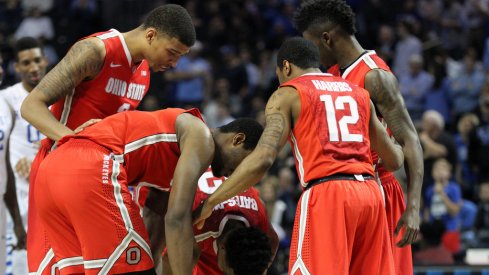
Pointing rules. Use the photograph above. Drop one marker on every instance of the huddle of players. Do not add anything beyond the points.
(329, 122)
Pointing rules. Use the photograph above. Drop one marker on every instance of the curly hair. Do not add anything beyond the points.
(315, 12)
(248, 251)
(174, 21)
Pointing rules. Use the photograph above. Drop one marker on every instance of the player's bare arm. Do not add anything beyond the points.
(83, 62)
(10, 198)
(278, 114)
(197, 151)
(153, 214)
(390, 153)
(384, 92)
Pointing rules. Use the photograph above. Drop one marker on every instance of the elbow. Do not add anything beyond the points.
(24, 108)
(396, 161)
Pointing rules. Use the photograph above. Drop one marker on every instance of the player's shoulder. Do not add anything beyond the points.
(92, 45)
(379, 78)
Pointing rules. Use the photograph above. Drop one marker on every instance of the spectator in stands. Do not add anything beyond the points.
(414, 86)
(36, 25)
(479, 141)
(386, 39)
(436, 143)
(463, 173)
(482, 221)
(464, 88)
(269, 188)
(407, 46)
(443, 199)
(193, 78)
(432, 251)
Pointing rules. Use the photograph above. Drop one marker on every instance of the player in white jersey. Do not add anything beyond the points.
(7, 184)
(30, 65)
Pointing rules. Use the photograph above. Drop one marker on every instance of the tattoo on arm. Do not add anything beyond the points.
(83, 61)
(274, 129)
(385, 94)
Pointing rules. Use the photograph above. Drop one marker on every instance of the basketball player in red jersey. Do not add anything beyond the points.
(330, 24)
(236, 239)
(92, 222)
(340, 225)
(100, 75)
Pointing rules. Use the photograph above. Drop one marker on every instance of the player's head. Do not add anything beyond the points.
(234, 141)
(324, 22)
(244, 251)
(170, 33)
(30, 62)
(294, 56)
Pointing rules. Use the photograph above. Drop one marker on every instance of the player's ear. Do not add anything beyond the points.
(287, 68)
(150, 34)
(326, 39)
(238, 139)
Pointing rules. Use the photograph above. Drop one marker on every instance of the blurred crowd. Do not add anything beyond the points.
(438, 49)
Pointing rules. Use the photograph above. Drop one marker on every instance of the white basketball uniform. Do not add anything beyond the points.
(24, 143)
(5, 126)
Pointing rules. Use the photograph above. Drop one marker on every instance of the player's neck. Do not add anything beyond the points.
(27, 87)
(350, 51)
(132, 39)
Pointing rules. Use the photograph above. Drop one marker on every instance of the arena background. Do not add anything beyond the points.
(437, 48)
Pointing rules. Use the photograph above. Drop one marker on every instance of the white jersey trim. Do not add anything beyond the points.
(148, 141)
(300, 160)
(299, 263)
(126, 49)
(352, 66)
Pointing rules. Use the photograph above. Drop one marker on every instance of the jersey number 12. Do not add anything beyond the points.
(333, 122)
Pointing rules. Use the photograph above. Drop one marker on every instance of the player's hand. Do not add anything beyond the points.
(200, 214)
(23, 167)
(21, 236)
(410, 221)
(86, 124)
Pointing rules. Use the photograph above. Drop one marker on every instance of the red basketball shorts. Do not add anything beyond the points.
(92, 223)
(340, 228)
(40, 257)
(394, 207)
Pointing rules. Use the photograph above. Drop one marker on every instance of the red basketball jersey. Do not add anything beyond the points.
(331, 134)
(356, 73)
(245, 207)
(146, 142)
(120, 86)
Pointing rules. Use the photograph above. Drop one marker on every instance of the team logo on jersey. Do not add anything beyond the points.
(240, 201)
(105, 169)
(120, 88)
(144, 73)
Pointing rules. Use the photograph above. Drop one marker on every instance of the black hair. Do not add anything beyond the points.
(250, 127)
(248, 251)
(25, 43)
(316, 12)
(433, 232)
(174, 21)
(300, 52)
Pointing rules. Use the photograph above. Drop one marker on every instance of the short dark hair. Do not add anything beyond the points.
(248, 251)
(25, 43)
(300, 52)
(250, 127)
(315, 12)
(174, 21)
(432, 232)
